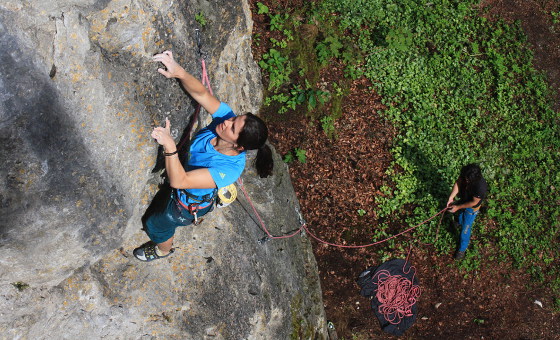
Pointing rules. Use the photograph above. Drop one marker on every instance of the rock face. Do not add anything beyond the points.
(79, 96)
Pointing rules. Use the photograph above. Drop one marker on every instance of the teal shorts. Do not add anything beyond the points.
(161, 225)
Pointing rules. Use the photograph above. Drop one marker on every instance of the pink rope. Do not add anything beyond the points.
(206, 82)
(395, 293)
(240, 182)
(304, 226)
(205, 79)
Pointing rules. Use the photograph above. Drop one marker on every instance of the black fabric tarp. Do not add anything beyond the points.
(368, 287)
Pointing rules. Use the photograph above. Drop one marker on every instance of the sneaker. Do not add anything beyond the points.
(147, 253)
(459, 255)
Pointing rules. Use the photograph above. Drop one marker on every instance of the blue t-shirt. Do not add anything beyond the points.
(224, 169)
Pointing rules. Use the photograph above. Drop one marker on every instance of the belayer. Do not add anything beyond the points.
(471, 187)
(216, 159)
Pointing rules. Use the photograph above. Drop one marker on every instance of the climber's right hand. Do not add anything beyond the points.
(172, 68)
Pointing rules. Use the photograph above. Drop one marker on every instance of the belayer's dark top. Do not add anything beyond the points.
(468, 191)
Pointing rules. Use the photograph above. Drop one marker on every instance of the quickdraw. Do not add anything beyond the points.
(193, 211)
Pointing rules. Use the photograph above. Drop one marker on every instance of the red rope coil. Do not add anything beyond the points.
(396, 294)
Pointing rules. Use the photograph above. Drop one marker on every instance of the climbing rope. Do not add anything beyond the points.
(396, 294)
(374, 243)
(269, 235)
(206, 82)
(233, 192)
(304, 226)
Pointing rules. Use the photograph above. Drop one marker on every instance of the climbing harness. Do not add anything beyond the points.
(198, 203)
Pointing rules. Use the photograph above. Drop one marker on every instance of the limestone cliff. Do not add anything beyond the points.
(79, 96)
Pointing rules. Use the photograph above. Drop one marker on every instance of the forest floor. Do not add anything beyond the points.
(342, 175)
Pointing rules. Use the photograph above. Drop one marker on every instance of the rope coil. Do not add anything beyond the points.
(396, 294)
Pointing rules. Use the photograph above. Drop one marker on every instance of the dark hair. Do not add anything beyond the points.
(253, 137)
(471, 173)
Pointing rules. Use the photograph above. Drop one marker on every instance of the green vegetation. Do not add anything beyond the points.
(291, 65)
(21, 286)
(298, 154)
(555, 17)
(201, 19)
(459, 89)
(261, 8)
(278, 68)
(462, 89)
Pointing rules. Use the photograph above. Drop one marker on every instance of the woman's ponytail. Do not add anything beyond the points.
(253, 136)
(264, 162)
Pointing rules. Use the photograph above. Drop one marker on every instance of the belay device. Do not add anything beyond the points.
(226, 195)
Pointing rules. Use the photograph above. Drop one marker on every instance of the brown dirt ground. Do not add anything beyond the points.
(342, 176)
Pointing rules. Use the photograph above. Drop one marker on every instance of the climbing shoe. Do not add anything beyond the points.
(148, 252)
(459, 255)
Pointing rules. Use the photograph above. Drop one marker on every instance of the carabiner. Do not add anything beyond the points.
(195, 218)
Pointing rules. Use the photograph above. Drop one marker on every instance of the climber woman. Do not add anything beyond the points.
(216, 159)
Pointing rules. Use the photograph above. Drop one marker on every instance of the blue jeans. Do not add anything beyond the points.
(466, 220)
